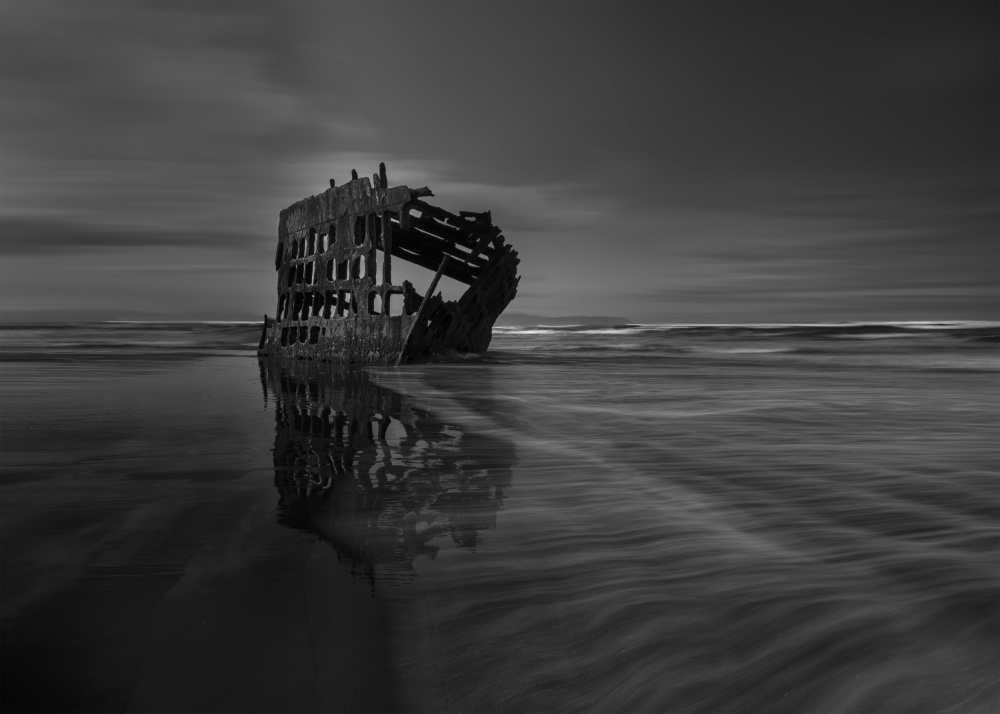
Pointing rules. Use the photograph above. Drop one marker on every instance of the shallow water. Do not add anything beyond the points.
(643, 518)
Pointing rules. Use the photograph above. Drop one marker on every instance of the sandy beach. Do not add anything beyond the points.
(144, 569)
(789, 521)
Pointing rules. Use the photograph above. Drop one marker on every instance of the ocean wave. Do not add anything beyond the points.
(743, 350)
(848, 343)
(125, 340)
(839, 330)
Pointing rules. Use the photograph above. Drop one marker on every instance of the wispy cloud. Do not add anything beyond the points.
(170, 120)
(45, 236)
(745, 154)
(538, 207)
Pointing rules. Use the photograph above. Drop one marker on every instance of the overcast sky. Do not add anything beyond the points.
(677, 162)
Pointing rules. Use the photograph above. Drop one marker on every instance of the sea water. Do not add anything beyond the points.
(646, 518)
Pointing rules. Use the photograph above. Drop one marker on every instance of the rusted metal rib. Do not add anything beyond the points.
(420, 310)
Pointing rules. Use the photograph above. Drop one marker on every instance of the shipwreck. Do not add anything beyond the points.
(336, 298)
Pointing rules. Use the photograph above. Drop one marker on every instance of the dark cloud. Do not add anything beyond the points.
(116, 80)
(43, 236)
(736, 148)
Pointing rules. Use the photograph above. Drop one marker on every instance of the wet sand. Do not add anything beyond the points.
(144, 568)
(715, 519)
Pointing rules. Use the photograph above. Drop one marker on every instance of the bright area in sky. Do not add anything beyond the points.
(662, 162)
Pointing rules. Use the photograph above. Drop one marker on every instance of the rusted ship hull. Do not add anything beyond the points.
(336, 298)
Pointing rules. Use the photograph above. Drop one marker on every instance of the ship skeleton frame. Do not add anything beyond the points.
(334, 261)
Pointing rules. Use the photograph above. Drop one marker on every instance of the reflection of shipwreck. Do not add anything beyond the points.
(381, 480)
(336, 299)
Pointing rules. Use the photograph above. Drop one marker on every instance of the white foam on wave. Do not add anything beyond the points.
(942, 324)
(562, 330)
(876, 336)
(912, 324)
(742, 350)
(532, 331)
(611, 331)
(180, 322)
